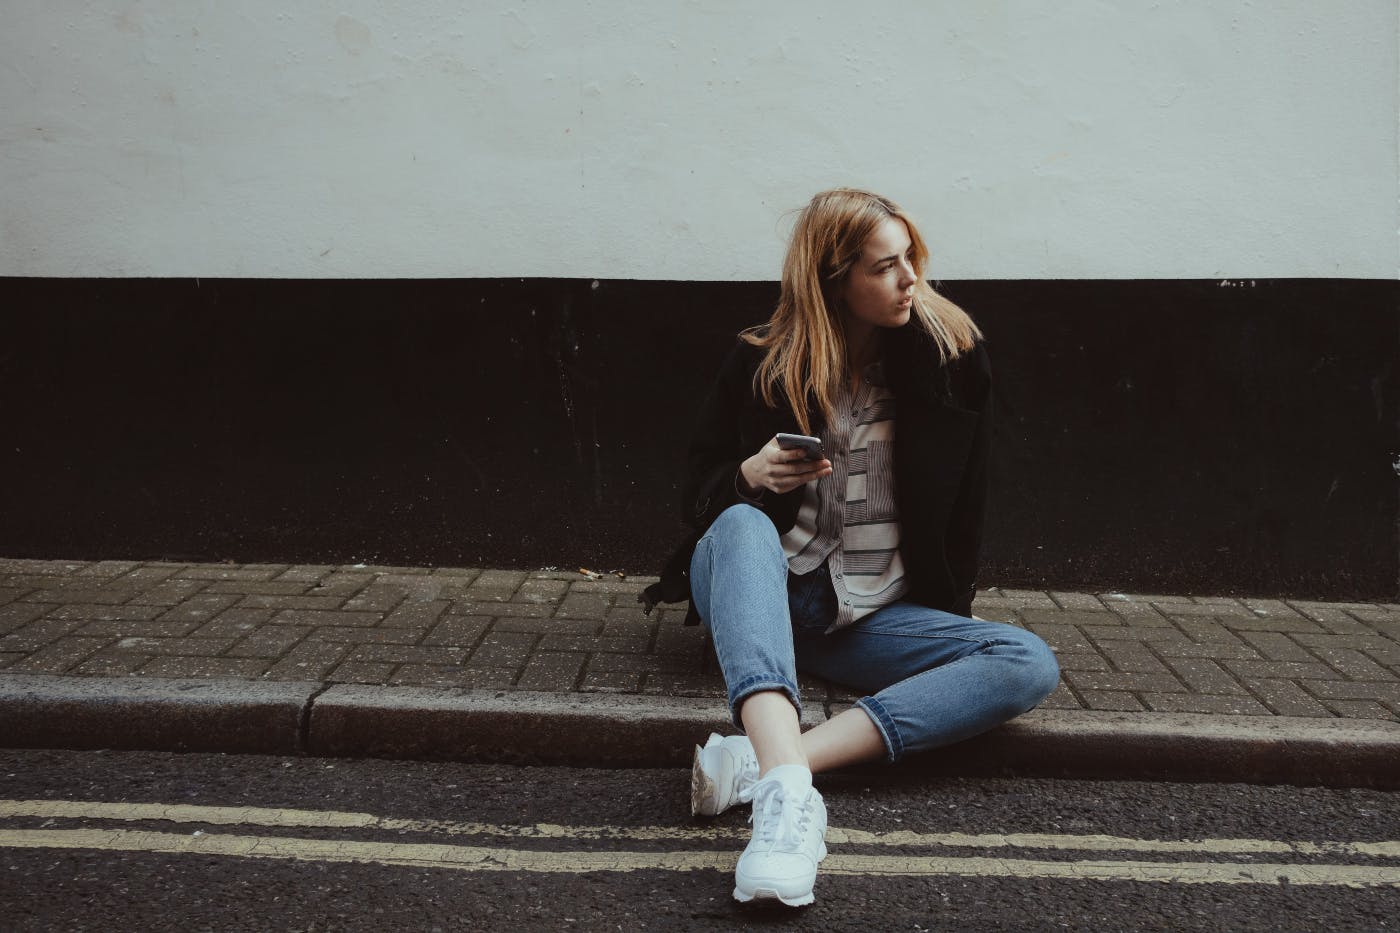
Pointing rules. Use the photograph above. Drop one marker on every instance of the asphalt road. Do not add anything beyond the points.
(92, 840)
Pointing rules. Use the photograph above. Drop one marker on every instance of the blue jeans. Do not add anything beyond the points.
(932, 677)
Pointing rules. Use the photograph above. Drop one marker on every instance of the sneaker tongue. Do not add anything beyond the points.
(792, 777)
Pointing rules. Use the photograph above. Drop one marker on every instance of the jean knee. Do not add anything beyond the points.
(1040, 671)
(747, 527)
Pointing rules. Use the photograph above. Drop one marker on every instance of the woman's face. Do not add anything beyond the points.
(879, 289)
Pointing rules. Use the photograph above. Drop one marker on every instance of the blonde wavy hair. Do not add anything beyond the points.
(805, 338)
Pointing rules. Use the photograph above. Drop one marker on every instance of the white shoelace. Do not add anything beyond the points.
(779, 823)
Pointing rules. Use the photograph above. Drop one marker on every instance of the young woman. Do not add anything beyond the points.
(859, 564)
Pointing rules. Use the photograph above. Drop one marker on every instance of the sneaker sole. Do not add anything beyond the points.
(762, 896)
(702, 790)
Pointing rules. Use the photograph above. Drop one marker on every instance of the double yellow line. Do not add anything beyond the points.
(484, 858)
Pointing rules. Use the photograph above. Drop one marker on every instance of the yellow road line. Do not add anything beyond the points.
(476, 858)
(333, 819)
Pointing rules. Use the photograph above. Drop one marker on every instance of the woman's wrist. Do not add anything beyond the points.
(744, 485)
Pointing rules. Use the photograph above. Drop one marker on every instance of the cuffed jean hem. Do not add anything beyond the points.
(884, 724)
(758, 684)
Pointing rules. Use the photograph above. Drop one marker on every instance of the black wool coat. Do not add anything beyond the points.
(942, 437)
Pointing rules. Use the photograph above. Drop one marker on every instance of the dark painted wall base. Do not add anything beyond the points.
(1162, 436)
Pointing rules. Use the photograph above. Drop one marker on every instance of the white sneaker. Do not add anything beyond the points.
(723, 771)
(789, 830)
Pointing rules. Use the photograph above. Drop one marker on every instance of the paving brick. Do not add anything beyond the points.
(681, 685)
(1355, 642)
(1205, 676)
(1206, 630)
(1285, 670)
(552, 670)
(1086, 602)
(627, 589)
(1156, 636)
(430, 675)
(234, 623)
(27, 566)
(584, 606)
(1377, 615)
(1271, 609)
(208, 572)
(495, 585)
(1214, 611)
(1132, 657)
(458, 574)
(476, 607)
(1081, 661)
(541, 591)
(1385, 691)
(17, 615)
(994, 614)
(257, 588)
(10, 594)
(1354, 664)
(1197, 703)
(111, 664)
(199, 608)
(165, 647)
(462, 631)
(363, 672)
(503, 649)
(1109, 680)
(673, 637)
(1062, 637)
(1276, 646)
(548, 626)
(37, 634)
(377, 598)
(367, 636)
(623, 611)
(1061, 698)
(1066, 617)
(308, 661)
(348, 585)
(239, 668)
(58, 656)
(107, 568)
(144, 577)
(319, 617)
(410, 654)
(270, 642)
(611, 682)
(1140, 615)
(96, 613)
(633, 644)
(10, 657)
(630, 628)
(1361, 709)
(256, 601)
(169, 593)
(645, 663)
(143, 629)
(1273, 624)
(1285, 697)
(1215, 649)
(101, 595)
(1116, 700)
(415, 615)
(305, 573)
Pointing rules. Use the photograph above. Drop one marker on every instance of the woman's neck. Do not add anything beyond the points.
(862, 347)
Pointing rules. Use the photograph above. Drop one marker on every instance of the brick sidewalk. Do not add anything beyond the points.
(556, 631)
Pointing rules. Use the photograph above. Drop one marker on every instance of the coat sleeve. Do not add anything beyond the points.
(715, 452)
(963, 538)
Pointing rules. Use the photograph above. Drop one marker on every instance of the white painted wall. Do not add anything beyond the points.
(660, 140)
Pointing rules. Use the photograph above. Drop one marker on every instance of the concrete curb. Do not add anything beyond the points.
(617, 730)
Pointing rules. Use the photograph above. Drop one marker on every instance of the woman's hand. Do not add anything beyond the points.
(779, 470)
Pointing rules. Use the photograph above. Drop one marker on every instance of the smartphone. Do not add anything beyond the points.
(811, 445)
